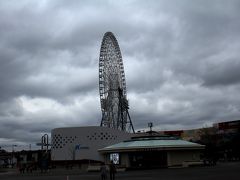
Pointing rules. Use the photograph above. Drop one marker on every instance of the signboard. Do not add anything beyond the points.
(114, 157)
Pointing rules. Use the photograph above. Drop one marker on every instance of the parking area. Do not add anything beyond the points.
(221, 171)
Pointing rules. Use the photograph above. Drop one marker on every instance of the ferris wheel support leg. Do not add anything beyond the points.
(130, 120)
(101, 121)
(121, 112)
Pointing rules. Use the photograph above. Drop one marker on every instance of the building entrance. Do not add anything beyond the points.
(148, 159)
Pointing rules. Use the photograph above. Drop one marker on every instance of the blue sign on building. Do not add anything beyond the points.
(79, 146)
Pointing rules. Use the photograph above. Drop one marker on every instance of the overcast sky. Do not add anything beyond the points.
(181, 61)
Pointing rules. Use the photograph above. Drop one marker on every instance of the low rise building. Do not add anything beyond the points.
(153, 151)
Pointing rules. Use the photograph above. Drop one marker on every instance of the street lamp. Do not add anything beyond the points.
(45, 141)
(13, 145)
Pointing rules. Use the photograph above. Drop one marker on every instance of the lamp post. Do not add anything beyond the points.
(45, 141)
(13, 145)
(44, 157)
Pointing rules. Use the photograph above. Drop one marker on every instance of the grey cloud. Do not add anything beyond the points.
(226, 73)
(180, 57)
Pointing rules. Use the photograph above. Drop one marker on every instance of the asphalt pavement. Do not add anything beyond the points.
(222, 171)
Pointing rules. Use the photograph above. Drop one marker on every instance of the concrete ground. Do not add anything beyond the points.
(222, 171)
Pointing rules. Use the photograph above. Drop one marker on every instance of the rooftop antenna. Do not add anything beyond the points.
(150, 125)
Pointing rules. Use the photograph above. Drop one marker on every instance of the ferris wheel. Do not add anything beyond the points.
(112, 86)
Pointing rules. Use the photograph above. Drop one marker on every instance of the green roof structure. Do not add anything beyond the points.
(155, 142)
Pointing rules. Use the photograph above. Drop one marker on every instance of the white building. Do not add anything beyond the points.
(81, 143)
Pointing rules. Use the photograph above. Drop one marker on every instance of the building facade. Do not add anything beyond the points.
(82, 143)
